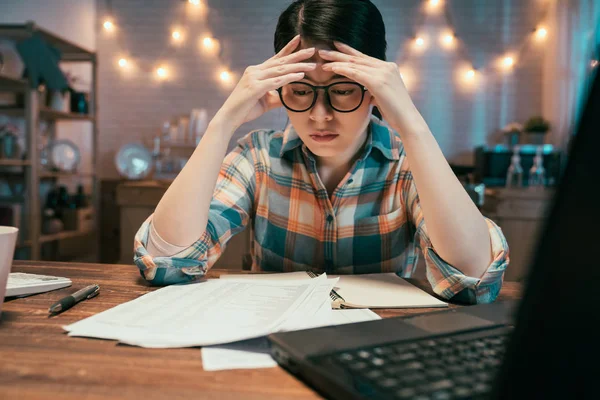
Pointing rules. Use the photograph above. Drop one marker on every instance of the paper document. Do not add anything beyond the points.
(210, 312)
(382, 290)
(386, 290)
(255, 353)
(203, 313)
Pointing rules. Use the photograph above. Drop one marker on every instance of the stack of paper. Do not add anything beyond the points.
(380, 290)
(212, 312)
(255, 353)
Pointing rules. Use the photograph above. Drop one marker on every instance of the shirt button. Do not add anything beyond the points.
(350, 181)
(329, 218)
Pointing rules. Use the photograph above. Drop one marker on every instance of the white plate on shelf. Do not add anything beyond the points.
(133, 161)
(62, 155)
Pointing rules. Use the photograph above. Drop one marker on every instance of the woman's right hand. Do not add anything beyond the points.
(255, 93)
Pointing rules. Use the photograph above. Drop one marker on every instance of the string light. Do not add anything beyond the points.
(508, 62)
(447, 39)
(208, 43)
(162, 72)
(419, 42)
(225, 76)
(433, 5)
(108, 25)
(541, 33)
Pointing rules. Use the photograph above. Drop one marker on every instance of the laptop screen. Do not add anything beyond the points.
(554, 349)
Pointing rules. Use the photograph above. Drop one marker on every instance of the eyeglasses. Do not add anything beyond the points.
(343, 97)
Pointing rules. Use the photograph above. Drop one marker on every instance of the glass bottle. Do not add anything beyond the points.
(514, 174)
(64, 201)
(537, 173)
(80, 198)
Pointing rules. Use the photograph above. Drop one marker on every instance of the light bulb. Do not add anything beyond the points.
(176, 35)
(594, 63)
(194, 2)
(433, 5)
(470, 74)
(420, 41)
(448, 39)
(108, 25)
(541, 33)
(225, 76)
(508, 62)
(161, 72)
(122, 62)
(208, 43)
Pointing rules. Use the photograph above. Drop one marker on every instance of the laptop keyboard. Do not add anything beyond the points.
(451, 367)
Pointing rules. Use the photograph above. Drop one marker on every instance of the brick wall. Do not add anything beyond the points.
(133, 107)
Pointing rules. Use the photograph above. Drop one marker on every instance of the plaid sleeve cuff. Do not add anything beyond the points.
(449, 283)
(187, 265)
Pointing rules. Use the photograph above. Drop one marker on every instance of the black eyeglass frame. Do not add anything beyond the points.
(326, 91)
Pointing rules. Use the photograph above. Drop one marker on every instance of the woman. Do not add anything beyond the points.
(338, 191)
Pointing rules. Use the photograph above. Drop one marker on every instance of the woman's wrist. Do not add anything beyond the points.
(223, 124)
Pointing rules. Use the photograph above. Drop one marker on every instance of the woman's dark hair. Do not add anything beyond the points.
(357, 23)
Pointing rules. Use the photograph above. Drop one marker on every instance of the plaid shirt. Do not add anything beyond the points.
(371, 223)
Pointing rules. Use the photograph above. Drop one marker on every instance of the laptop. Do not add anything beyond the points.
(544, 346)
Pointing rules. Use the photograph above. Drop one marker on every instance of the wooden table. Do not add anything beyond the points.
(38, 359)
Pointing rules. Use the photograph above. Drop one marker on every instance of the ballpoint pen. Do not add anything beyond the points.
(67, 302)
(335, 296)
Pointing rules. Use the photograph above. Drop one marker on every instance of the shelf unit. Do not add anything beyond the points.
(32, 113)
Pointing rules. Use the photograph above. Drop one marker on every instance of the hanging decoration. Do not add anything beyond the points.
(162, 68)
(213, 47)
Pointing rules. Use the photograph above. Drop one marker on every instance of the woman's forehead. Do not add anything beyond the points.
(319, 76)
(305, 44)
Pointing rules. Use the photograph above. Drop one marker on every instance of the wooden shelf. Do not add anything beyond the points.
(48, 114)
(63, 235)
(50, 174)
(176, 145)
(32, 109)
(57, 236)
(12, 84)
(4, 162)
(69, 50)
(44, 174)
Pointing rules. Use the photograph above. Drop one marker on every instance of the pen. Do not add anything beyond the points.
(67, 302)
(335, 296)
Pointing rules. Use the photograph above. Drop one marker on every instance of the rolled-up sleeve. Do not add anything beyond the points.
(229, 213)
(446, 280)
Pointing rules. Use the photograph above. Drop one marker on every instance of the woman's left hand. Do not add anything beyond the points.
(381, 78)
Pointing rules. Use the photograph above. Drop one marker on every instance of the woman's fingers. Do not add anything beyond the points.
(362, 74)
(330, 55)
(344, 48)
(285, 69)
(279, 81)
(289, 59)
(288, 48)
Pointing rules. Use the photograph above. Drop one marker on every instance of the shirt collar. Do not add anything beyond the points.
(379, 136)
